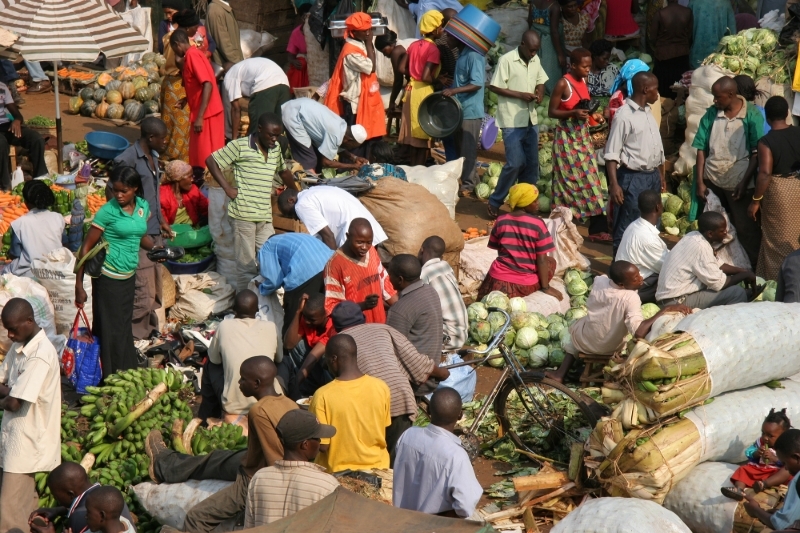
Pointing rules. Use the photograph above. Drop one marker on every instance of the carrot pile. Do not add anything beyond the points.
(11, 208)
(474, 233)
(75, 75)
(95, 202)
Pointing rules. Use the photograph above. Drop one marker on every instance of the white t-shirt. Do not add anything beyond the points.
(642, 246)
(324, 205)
(253, 75)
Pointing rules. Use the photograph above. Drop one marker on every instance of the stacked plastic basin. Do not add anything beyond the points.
(474, 28)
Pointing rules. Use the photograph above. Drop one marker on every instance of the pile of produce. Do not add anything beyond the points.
(676, 209)
(196, 255)
(755, 52)
(123, 93)
(224, 437)
(40, 121)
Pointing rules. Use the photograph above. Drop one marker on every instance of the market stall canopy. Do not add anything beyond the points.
(68, 30)
(344, 511)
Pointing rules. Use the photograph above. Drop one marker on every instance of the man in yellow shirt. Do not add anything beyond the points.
(358, 406)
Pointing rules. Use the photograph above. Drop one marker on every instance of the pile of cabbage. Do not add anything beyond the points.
(487, 185)
(676, 209)
(754, 52)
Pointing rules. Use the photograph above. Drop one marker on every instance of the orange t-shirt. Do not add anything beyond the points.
(348, 279)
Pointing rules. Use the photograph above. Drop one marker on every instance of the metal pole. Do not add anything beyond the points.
(59, 137)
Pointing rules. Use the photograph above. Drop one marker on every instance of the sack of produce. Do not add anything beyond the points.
(409, 214)
(12, 286)
(440, 180)
(620, 515)
(648, 462)
(55, 272)
(698, 502)
(200, 295)
(169, 503)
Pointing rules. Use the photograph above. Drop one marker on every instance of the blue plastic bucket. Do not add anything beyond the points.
(474, 28)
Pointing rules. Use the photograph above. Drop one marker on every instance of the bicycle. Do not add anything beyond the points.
(530, 406)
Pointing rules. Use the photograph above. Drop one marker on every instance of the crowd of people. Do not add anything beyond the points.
(363, 337)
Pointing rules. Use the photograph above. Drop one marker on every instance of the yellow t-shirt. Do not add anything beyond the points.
(360, 410)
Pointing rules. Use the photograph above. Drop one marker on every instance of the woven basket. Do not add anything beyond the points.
(167, 288)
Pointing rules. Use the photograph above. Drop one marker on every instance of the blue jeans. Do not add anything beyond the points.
(633, 183)
(35, 70)
(7, 71)
(522, 161)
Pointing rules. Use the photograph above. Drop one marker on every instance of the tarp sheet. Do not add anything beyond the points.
(344, 511)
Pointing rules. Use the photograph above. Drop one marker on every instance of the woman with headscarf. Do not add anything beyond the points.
(181, 200)
(522, 242)
(199, 38)
(169, 7)
(622, 87)
(423, 67)
(353, 92)
(172, 95)
(576, 179)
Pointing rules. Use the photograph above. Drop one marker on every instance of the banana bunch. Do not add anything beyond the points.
(122, 473)
(45, 498)
(224, 437)
(69, 422)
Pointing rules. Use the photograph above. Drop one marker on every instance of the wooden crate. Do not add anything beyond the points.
(284, 224)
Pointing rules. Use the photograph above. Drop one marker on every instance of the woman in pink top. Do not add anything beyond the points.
(576, 180)
(298, 68)
(619, 20)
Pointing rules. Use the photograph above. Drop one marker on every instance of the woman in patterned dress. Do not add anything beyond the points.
(174, 116)
(544, 16)
(576, 180)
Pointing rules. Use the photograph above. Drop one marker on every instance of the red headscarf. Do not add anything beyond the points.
(357, 22)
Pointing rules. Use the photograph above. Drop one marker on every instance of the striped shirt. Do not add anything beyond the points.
(289, 260)
(519, 240)
(283, 489)
(254, 173)
(439, 275)
(690, 267)
(384, 353)
(348, 279)
(418, 316)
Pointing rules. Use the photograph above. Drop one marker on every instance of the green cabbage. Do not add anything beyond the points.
(545, 156)
(572, 275)
(497, 321)
(544, 335)
(509, 337)
(555, 329)
(683, 226)
(520, 319)
(577, 288)
(495, 169)
(496, 299)
(685, 192)
(649, 310)
(672, 230)
(578, 301)
(769, 292)
(734, 64)
(493, 181)
(693, 226)
(647, 58)
(483, 191)
(480, 331)
(521, 355)
(556, 357)
(555, 318)
(498, 362)
(538, 356)
(766, 39)
(527, 338)
(546, 170)
(673, 205)
(517, 304)
(477, 311)
(734, 44)
(668, 220)
(575, 313)
(544, 204)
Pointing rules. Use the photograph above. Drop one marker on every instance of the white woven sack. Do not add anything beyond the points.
(696, 499)
(620, 515)
(440, 180)
(473, 264)
(170, 502)
(747, 344)
(55, 273)
(200, 295)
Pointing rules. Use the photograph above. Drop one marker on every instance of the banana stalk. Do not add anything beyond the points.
(138, 410)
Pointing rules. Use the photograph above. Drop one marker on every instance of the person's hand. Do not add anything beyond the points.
(440, 373)
(80, 296)
(48, 514)
(702, 190)
(445, 81)
(766, 453)
(738, 192)
(580, 114)
(554, 293)
(48, 527)
(297, 64)
(166, 230)
(302, 375)
(527, 97)
(616, 194)
(752, 210)
(360, 162)
(370, 302)
(180, 104)
(303, 300)
(16, 128)
(232, 193)
(751, 506)
(758, 486)
(562, 61)
(598, 117)
(663, 185)
(448, 92)
(685, 309)
(198, 125)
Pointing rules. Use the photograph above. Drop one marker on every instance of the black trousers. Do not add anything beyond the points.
(748, 231)
(211, 391)
(647, 292)
(393, 431)
(31, 141)
(174, 467)
(112, 305)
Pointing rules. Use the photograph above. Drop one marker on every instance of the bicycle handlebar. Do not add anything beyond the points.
(498, 337)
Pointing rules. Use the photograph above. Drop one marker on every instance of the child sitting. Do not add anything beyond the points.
(763, 469)
(103, 511)
(787, 448)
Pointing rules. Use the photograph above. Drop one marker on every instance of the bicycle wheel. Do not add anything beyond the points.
(549, 419)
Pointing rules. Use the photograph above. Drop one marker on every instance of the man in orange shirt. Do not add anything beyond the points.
(355, 273)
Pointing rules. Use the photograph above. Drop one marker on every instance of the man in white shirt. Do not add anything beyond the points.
(614, 310)
(693, 276)
(316, 135)
(236, 340)
(432, 471)
(30, 395)
(263, 82)
(642, 246)
(327, 213)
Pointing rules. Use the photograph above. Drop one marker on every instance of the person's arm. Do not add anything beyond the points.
(519, 95)
(236, 118)
(328, 238)
(562, 87)
(645, 325)
(205, 98)
(613, 154)
(765, 163)
(754, 131)
(781, 477)
(311, 360)
(16, 124)
(293, 336)
(318, 408)
(417, 367)
(399, 78)
(700, 143)
(332, 163)
(371, 50)
(555, 35)
(89, 242)
(543, 271)
(753, 508)
(216, 171)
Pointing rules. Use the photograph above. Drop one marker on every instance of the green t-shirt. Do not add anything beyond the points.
(124, 233)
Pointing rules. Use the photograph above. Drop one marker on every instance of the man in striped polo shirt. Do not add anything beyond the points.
(255, 159)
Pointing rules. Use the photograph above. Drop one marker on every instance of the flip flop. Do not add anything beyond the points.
(492, 212)
(733, 493)
(600, 237)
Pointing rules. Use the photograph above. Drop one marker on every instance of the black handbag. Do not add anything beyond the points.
(93, 261)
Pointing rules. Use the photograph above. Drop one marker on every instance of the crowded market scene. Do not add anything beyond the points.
(451, 266)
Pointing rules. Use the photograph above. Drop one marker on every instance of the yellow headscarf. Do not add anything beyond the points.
(522, 195)
(430, 21)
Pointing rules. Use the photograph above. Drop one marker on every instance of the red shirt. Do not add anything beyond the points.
(519, 240)
(346, 279)
(421, 53)
(310, 334)
(578, 91)
(195, 203)
(196, 71)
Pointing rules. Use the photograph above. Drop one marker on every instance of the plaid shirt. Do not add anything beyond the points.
(439, 275)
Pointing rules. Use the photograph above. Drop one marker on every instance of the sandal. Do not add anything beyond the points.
(464, 193)
(733, 493)
(492, 212)
(600, 237)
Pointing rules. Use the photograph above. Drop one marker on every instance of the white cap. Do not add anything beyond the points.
(359, 133)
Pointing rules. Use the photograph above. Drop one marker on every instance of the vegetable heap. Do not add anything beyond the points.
(40, 121)
(754, 52)
(195, 255)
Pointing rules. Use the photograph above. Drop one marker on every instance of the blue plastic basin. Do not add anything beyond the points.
(106, 145)
(176, 268)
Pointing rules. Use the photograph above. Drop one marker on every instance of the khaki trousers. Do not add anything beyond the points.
(248, 238)
(18, 499)
(147, 296)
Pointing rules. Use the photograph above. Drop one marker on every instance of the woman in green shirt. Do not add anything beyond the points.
(122, 222)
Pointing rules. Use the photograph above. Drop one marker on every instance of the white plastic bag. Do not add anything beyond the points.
(567, 241)
(473, 264)
(666, 323)
(139, 19)
(440, 180)
(698, 502)
(463, 379)
(253, 41)
(54, 272)
(540, 302)
(513, 23)
(169, 503)
(12, 286)
(219, 226)
(620, 515)
(200, 295)
(401, 21)
(270, 308)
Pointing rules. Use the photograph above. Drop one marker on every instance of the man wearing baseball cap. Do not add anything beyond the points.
(290, 485)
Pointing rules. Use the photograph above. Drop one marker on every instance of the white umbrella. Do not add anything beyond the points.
(68, 30)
